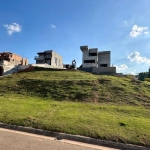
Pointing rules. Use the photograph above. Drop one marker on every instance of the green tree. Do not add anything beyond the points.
(148, 76)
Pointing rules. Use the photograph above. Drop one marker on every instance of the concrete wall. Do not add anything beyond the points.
(44, 66)
(104, 58)
(21, 67)
(56, 60)
(11, 62)
(104, 70)
(85, 56)
(9, 69)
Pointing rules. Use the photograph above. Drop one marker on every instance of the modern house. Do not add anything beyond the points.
(49, 57)
(96, 61)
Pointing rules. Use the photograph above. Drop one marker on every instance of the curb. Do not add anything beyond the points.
(78, 138)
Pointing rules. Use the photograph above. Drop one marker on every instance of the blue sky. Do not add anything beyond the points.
(121, 26)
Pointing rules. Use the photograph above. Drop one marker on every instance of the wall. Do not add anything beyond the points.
(104, 58)
(16, 57)
(45, 66)
(24, 61)
(90, 70)
(85, 56)
(9, 69)
(21, 67)
(103, 70)
(11, 62)
(59, 63)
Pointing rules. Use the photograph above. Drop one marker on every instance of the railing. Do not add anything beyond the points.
(35, 57)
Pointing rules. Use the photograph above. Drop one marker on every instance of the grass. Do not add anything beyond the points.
(105, 107)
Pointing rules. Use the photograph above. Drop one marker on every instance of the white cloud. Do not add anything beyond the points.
(137, 30)
(53, 26)
(121, 67)
(135, 57)
(12, 28)
(132, 72)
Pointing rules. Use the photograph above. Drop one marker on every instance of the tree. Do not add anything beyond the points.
(148, 76)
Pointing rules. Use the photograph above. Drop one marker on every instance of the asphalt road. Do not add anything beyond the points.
(16, 140)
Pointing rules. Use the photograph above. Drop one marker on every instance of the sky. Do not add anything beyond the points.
(121, 26)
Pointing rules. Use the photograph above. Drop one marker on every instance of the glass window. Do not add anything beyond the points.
(89, 61)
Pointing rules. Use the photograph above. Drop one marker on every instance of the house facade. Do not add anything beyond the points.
(8, 58)
(49, 57)
(10, 63)
(96, 61)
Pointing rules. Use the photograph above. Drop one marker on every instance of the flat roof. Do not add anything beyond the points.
(47, 51)
(103, 52)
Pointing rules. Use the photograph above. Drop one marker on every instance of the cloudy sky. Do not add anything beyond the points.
(121, 26)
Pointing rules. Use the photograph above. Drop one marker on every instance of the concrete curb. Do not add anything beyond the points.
(78, 138)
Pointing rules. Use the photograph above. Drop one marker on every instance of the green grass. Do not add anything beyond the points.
(105, 107)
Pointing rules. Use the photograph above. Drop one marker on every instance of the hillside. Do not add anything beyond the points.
(106, 107)
(77, 86)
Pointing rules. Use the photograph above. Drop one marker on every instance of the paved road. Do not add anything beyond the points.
(16, 140)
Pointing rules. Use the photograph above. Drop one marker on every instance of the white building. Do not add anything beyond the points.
(99, 61)
(92, 58)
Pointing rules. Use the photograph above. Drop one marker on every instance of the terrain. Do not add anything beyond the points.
(115, 108)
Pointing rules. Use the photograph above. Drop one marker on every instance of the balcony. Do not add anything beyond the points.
(38, 58)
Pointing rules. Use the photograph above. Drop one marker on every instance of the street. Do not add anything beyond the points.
(16, 140)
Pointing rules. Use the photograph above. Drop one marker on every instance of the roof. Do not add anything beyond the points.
(48, 51)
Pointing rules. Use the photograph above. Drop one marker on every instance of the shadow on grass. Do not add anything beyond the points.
(58, 90)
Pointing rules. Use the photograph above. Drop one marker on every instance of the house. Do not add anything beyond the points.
(10, 63)
(49, 57)
(9, 58)
(96, 61)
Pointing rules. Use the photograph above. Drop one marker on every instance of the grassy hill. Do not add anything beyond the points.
(106, 107)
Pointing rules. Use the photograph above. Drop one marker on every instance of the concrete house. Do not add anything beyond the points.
(49, 57)
(96, 61)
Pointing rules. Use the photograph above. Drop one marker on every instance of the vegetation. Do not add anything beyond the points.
(106, 107)
(143, 75)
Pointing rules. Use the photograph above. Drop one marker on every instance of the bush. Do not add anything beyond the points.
(147, 79)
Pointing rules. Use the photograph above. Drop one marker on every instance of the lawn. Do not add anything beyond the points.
(105, 107)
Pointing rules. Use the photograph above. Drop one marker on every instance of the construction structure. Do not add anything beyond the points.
(50, 58)
(9, 62)
(12, 59)
(96, 61)
(70, 66)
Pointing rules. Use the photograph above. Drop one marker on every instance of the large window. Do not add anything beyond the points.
(103, 65)
(39, 61)
(89, 61)
(92, 54)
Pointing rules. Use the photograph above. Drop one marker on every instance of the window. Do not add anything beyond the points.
(49, 55)
(39, 61)
(92, 54)
(103, 65)
(56, 61)
(89, 61)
